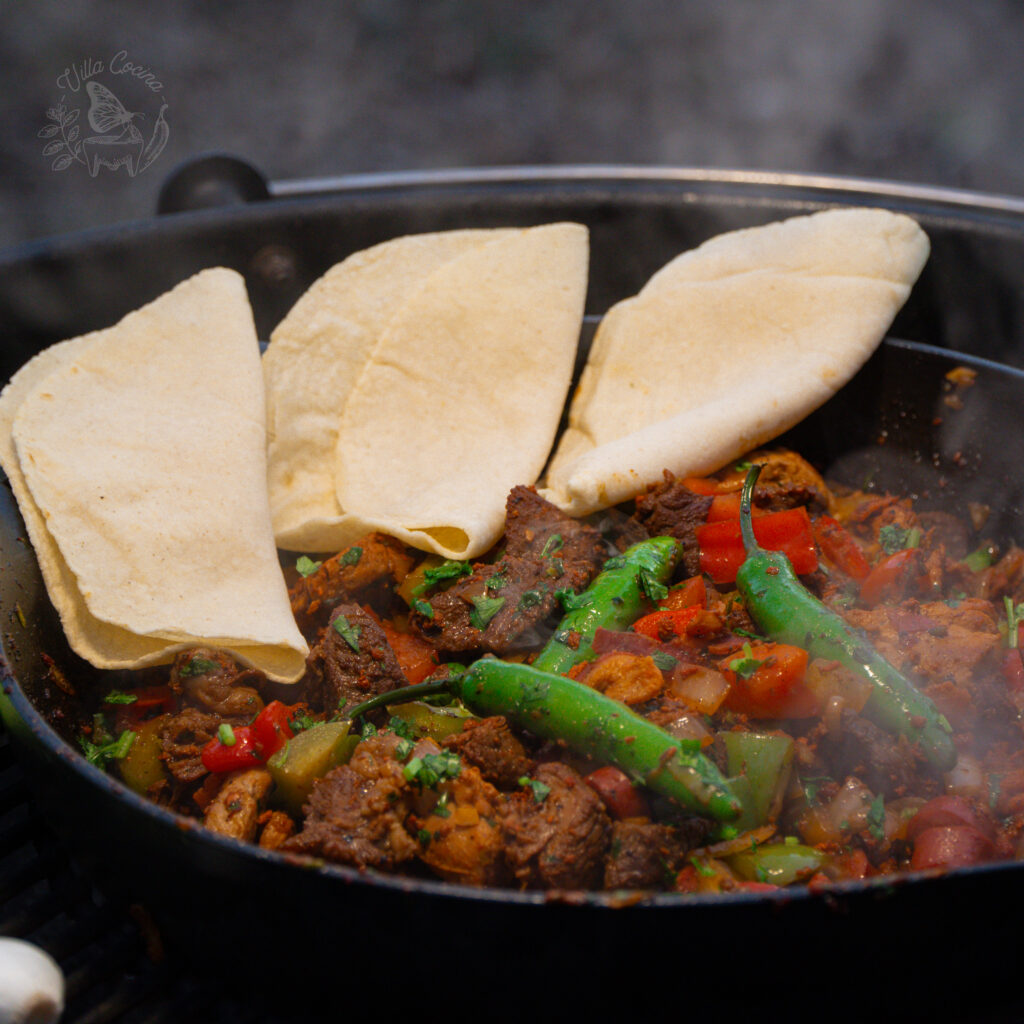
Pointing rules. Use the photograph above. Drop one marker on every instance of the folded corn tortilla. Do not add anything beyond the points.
(316, 355)
(461, 397)
(137, 457)
(417, 382)
(729, 345)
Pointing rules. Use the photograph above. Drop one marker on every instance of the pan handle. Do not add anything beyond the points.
(213, 179)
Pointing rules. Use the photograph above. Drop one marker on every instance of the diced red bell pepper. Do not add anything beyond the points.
(775, 688)
(708, 487)
(721, 545)
(667, 624)
(416, 658)
(890, 577)
(253, 744)
(727, 506)
(839, 547)
(690, 592)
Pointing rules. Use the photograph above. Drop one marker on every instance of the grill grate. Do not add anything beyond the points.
(100, 948)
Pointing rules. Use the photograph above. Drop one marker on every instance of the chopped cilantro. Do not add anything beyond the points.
(369, 730)
(742, 467)
(301, 721)
(112, 750)
(441, 808)
(812, 784)
(540, 790)
(496, 582)
(448, 570)
(351, 556)
(197, 667)
(484, 609)
(570, 600)
(895, 538)
(423, 607)
(654, 589)
(348, 631)
(664, 661)
(702, 869)
(305, 566)
(430, 769)
(552, 545)
(424, 835)
(120, 697)
(529, 599)
(747, 665)
(876, 817)
(400, 727)
(403, 748)
(981, 558)
(226, 734)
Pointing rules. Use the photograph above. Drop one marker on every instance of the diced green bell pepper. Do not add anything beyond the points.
(305, 758)
(424, 720)
(777, 863)
(758, 765)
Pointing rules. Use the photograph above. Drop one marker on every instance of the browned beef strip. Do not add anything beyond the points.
(490, 745)
(356, 812)
(545, 551)
(337, 673)
(183, 738)
(560, 841)
(669, 509)
(643, 855)
(885, 764)
(213, 680)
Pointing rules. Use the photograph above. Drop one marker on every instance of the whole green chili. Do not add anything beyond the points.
(554, 707)
(786, 611)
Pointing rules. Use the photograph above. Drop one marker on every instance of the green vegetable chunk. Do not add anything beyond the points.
(777, 863)
(759, 765)
(421, 720)
(141, 768)
(305, 758)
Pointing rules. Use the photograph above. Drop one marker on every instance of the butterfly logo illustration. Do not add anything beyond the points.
(107, 112)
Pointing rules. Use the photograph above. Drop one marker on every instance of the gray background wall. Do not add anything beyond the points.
(915, 90)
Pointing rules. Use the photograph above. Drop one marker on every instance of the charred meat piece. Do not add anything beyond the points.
(374, 558)
(497, 604)
(351, 662)
(558, 838)
(236, 809)
(643, 855)
(182, 738)
(886, 765)
(213, 680)
(491, 746)
(788, 480)
(356, 813)
(670, 509)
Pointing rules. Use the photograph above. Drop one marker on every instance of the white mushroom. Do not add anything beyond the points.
(31, 984)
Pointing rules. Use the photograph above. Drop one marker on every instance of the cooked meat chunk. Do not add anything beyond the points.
(371, 559)
(461, 839)
(351, 662)
(236, 809)
(490, 745)
(670, 509)
(545, 551)
(356, 813)
(788, 480)
(642, 855)
(886, 765)
(213, 680)
(182, 738)
(557, 841)
(277, 827)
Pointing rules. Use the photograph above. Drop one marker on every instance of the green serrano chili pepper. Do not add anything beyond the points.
(786, 611)
(613, 600)
(554, 707)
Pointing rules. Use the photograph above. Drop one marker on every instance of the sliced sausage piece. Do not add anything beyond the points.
(235, 810)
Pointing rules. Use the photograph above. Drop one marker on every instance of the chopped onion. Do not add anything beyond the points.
(966, 778)
(689, 726)
(703, 689)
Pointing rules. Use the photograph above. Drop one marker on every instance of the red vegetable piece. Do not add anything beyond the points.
(839, 547)
(620, 796)
(416, 658)
(693, 591)
(270, 729)
(890, 577)
(756, 887)
(950, 847)
(722, 551)
(220, 757)
(775, 688)
(1013, 669)
(667, 624)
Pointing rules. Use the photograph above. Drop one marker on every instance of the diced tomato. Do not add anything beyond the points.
(620, 796)
(839, 547)
(727, 506)
(890, 577)
(690, 592)
(721, 545)
(775, 688)
(416, 658)
(668, 623)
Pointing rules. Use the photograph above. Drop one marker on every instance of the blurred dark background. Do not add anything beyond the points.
(916, 91)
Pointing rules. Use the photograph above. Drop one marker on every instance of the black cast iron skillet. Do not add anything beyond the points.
(275, 927)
